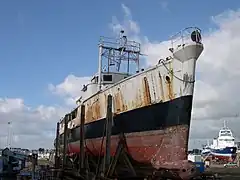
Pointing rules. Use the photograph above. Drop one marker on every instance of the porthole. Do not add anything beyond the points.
(167, 79)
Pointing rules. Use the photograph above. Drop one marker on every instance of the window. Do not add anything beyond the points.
(74, 113)
(95, 79)
(229, 140)
(107, 77)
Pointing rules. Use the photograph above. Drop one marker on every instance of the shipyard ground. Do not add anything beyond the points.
(225, 173)
(222, 173)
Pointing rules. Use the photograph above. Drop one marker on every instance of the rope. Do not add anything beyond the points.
(161, 61)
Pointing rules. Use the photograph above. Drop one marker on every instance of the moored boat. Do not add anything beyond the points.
(223, 147)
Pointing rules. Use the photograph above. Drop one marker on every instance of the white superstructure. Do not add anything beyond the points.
(225, 138)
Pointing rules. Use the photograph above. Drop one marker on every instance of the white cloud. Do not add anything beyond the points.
(70, 88)
(30, 127)
(8, 105)
(132, 30)
(131, 27)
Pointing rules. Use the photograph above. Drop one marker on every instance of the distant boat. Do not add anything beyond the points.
(223, 147)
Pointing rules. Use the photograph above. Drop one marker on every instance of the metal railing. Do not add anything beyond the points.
(186, 35)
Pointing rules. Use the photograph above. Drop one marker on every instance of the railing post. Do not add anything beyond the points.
(82, 137)
(109, 119)
(65, 139)
(56, 163)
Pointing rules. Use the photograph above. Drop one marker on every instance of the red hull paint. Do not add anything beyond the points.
(160, 148)
(224, 158)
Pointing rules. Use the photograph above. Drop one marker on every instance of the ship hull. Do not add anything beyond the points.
(227, 154)
(224, 154)
(156, 135)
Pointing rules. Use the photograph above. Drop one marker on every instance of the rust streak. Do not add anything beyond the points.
(119, 106)
(169, 87)
(93, 110)
(153, 87)
(89, 113)
(147, 95)
(171, 93)
(161, 86)
(96, 109)
(137, 101)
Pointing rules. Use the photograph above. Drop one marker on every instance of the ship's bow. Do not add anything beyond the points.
(186, 49)
(187, 53)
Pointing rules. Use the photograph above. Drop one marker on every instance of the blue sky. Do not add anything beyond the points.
(41, 42)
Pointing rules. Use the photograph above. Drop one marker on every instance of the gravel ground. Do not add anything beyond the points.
(226, 173)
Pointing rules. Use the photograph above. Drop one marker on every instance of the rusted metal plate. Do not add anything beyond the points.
(146, 92)
(159, 148)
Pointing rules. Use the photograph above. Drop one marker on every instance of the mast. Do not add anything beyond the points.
(113, 52)
(9, 136)
(224, 123)
(100, 67)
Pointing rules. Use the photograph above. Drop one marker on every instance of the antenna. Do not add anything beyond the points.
(9, 135)
(224, 123)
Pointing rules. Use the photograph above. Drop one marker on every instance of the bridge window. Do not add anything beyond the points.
(229, 140)
(107, 77)
(74, 113)
(96, 79)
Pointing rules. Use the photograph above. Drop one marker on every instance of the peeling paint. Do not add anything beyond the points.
(118, 102)
(147, 95)
(161, 85)
(153, 88)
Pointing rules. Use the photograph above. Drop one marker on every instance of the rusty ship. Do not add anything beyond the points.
(151, 107)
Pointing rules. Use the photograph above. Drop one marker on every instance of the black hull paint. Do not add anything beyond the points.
(153, 117)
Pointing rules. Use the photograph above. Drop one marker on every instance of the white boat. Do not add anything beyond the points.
(223, 147)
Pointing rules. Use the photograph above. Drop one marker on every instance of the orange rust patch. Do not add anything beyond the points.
(161, 86)
(96, 109)
(93, 110)
(118, 100)
(137, 102)
(89, 113)
(146, 91)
